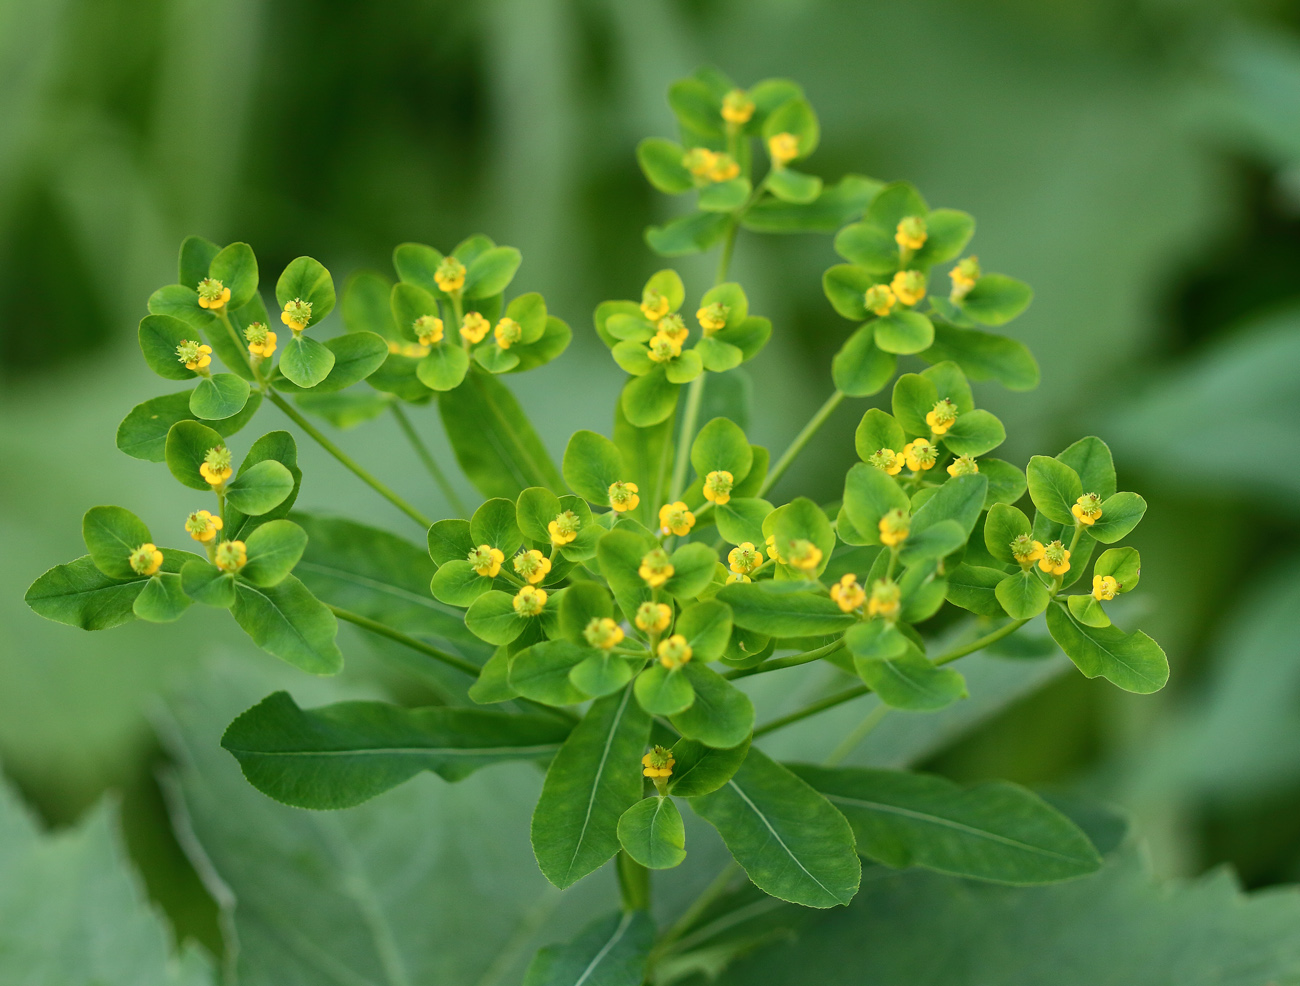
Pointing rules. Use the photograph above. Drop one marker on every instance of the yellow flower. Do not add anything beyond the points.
(655, 568)
(474, 327)
(737, 107)
(713, 317)
(772, 553)
(412, 349)
(529, 600)
(674, 652)
(724, 168)
(449, 275)
(1056, 559)
(261, 340)
(532, 565)
(486, 560)
(146, 559)
(658, 762)
(653, 617)
(215, 467)
(908, 286)
(203, 526)
(674, 518)
(942, 417)
(654, 304)
(1104, 588)
(194, 355)
(911, 233)
(231, 556)
(428, 329)
(783, 148)
(963, 465)
(623, 496)
(964, 276)
(604, 633)
(717, 486)
(848, 593)
(508, 332)
(894, 528)
(1087, 509)
(920, 455)
(674, 328)
(564, 528)
(879, 299)
(663, 348)
(699, 161)
(1026, 550)
(296, 314)
(804, 555)
(733, 577)
(886, 598)
(888, 461)
(744, 558)
(213, 294)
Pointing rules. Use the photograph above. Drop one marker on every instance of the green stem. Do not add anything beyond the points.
(234, 337)
(793, 661)
(348, 461)
(860, 732)
(800, 440)
(698, 906)
(383, 630)
(694, 398)
(633, 883)
(979, 644)
(430, 463)
(728, 249)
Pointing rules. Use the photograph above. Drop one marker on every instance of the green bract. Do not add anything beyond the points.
(618, 598)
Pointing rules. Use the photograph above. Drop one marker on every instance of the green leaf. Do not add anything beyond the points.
(1088, 611)
(1007, 484)
(1124, 565)
(721, 714)
(236, 268)
(494, 442)
(492, 617)
(345, 410)
(444, 367)
(188, 443)
(337, 756)
(722, 445)
(1119, 515)
(491, 272)
(592, 780)
(159, 336)
(741, 520)
(1090, 457)
(398, 375)
(687, 234)
(661, 163)
(1054, 487)
(611, 951)
(542, 672)
(947, 233)
(684, 368)
(974, 587)
(601, 673)
(276, 446)
(410, 302)
(717, 356)
(869, 494)
(725, 196)
(650, 399)
(74, 911)
(535, 509)
(308, 280)
(207, 584)
(582, 603)
(975, 433)
(619, 555)
(1022, 595)
(1004, 524)
(845, 286)
(555, 339)
(861, 368)
(995, 831)
(180, 302)
(701, 769)
(591, 464)
(1131, 661)
(162, 600)
(910, 681)
(652, 833)
(367, 305)
(783, 614)
(415, 264)
(260, 488)
(693, 566)
(305, 361)
(903, 332)
(795, 116)
(111, 535)
(803, 520)
(838, 204)
(877, 431)
(80, 595)
(663, 692)
(493, 682)
(219, 396)
(996, 299)
(934, 541)
(960, 499)
(143, 432)
(195, 259)
(913, 398)
(794, 186)
(357, 355)
(494, 524)
(456, 583)
(984, 356)
(287, 621)
(790, 840)
(273, 549)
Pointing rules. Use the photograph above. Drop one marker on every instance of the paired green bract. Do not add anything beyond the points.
(587, 610)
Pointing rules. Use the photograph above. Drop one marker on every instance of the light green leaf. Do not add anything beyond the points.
(611, 951)
(1131, 661)
(652, 833)
(721, 714)
(783, 614)
(260, 488)
(286, 620)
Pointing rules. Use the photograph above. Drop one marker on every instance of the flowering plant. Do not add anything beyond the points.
(601, 616)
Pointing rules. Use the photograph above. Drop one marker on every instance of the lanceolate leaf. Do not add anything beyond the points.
(594, 778)
(611, 951)
(791, 841)
(288, 621)
(341, 755)
(996, 831)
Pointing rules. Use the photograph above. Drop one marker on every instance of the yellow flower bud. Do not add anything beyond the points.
(194, 355)
(1056, 559)
(261, 340)
(1104, 588)
(674, 652)
(713, 317)
(623, 496)
(888, 461)
(529, 601)
(963, 465)
(508, 332)
(717, 486)
(486, 560)
(886, 599)
(203, 526)
(655, 568)
(674, 518)
(674, 328)
(733, 577)
(744, 558)
(942, 417)
(920, 455)
(653, 617)
(658, 762)
(564, 528)
(737, 107)
(1087, 509)
(911, 233)
(848, 593)
(654, 304)
(908, 286)
(231, 556)
(772, 553)
(699, 161)
(604, 633)
(215, 467)
(879, 299)
(783, 148)
(296, 314)
(428, 329)
(449, 275)
(474, 327)
(894, 528)
(1026, 550)
(532, 565)
(804, 555)
(664, 348)
(146, 559)
(213, 295)
(964, 275)
(724, 168)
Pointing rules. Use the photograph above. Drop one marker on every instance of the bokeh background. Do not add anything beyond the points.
(1137, 161)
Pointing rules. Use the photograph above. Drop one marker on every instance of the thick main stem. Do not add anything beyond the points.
(800, 440)
(348, 461)
(430, 463)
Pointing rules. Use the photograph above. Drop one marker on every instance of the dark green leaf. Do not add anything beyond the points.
(289, 622)
(1131, 661)
(652, 833)
(611, 951)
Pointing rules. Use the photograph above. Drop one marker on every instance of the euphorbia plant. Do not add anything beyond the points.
(601, 613)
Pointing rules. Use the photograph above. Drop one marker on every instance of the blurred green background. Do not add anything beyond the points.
(1137, 162)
